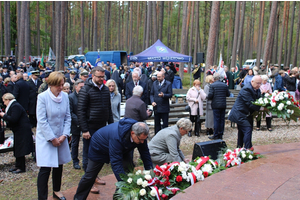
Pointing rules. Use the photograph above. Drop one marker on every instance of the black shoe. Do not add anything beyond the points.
(76, 166)
(190, 134)
(18, 171)
(211, 132)
(214, 137)
(207, 132)
(197, 134)
(12, 169)
(56, 197)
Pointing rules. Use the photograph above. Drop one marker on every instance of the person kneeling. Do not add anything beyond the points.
(164, 146)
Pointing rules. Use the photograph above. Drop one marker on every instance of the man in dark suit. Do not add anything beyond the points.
(21, 91)
(5, 73)
(160, 93)
(218, 91)
(75, 128)
(34, 84)
(241, 112)
(135, 108)
(136, 81)
(169, 75)
(10, 86)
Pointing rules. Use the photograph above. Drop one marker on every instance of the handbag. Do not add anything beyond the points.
(187, 108)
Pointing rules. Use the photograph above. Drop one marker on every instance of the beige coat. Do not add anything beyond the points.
(192, 96)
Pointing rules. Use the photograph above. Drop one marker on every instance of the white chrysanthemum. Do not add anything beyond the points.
(207, 168)
(142, 192)
(281, 97)
(273, 104)
(139, 181)
(129, 180)
(145, 184)
(285, 95)
(146, 172)
(267, 95)
(243, 155)
(153, 192)
(160, 192)
(180, 169)
(276, 98)
(281, 104)
(250, 157)
(266, 101)
(292, 111)
(279, 108)
(148, 177)
(288, 111)
(184, 176)
(288, 103)
(138, 172)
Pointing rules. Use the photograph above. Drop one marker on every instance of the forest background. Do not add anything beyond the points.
(266, 30)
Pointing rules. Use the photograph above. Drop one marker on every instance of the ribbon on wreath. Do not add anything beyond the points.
(193, 178)
(203, 161)
(173, 189)
(156, 192)
(154, 181)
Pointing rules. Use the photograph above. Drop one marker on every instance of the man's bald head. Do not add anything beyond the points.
(256, 82)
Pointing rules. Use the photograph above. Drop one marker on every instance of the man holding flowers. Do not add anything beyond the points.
(241, 112)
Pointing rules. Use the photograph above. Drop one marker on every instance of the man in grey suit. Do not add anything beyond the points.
(135, 107)
(164, 146)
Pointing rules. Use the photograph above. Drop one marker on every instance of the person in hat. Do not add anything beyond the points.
(84, 75)
(34, 84)
(29, 68)
(44, 86)
(72, 79)
(5, 73)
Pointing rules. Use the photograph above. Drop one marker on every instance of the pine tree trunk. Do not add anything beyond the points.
(282, 34)
(22, 32)
(275, 42)
(191, 34)
(183, 35)
(214, 20)
(178, 28)
(169, 19)
(145, 25)
(286, 34)
(229, 42)
(267, 53)
(27, 34)
(53, 31)
(291, 35)
(6, 28)
(38, 28)
(82, 25)
(196, 33)
(161, 20)
(131, 26)
(58, 32)
(260, 37)
(95, 36)
(236, 33)
(297, 40)
(148, 23)
(240, 38)
(154, 20)
(18, 29)
(62, 34)
(120, 27)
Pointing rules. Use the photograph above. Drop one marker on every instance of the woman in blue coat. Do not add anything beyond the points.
(53, 129)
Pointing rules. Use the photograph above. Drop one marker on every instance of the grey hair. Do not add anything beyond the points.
(116, 91)
(137, 90)
(140, 128)
(216, 76)
(184, 123)
(67, 84)
(264, 77)
(78, 82)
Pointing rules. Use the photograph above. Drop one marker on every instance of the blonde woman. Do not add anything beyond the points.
(115, 99)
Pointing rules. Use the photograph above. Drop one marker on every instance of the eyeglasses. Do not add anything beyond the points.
(100, 76)
(141, 140)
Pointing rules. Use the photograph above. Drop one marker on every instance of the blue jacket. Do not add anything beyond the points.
(241, 112)
(111, 142)
(177, 84)
(162, 103)
(278, 83)
(218, 91)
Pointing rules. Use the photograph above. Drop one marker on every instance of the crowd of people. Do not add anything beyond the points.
(85, 101)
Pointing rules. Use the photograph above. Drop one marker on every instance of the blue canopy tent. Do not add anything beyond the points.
(159, 52)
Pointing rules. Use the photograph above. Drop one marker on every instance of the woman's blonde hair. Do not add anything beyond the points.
(6, 80)
(209, 78)
(8, 96)
(55, 78)
(196, 82)
(116, 91)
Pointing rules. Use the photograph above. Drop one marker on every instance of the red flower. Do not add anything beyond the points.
(273, 100)
(157, 173)
(178, 178)
(167, 173)
(166, 183)
(164, 196)
(205, 174)
(216, 163)
(174, 191)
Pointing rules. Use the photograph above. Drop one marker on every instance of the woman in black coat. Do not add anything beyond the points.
(17, 120)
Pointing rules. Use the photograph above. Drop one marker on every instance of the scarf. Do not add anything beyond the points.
(8, 106)
(57, 99)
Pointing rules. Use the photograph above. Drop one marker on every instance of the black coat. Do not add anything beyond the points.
(241, 112)
(73, 100)
(10, 87)
(169, 76)
(4, 76)
(290, 83)
(21, 91)
(18, 122)
(71, 83)
(162, 103)
(94, 107)
(33, 92)
(130, 86)
(218, 91)
(107, 74)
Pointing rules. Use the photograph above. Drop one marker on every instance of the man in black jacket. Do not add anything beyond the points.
(10, 86)
(242, 110)
(34, 84)
(75, 128)
(218, 91)
(136, 81)
(169, 74)
(21, 91)
(94, 110)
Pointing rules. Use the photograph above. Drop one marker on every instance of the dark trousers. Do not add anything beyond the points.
(219, 122)
(160, 116)
(74, 148)
(32, 119)
(42, 181)
(268, 121)
(244, 136)
(20, 163)
(194, 119)
(86, 145)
